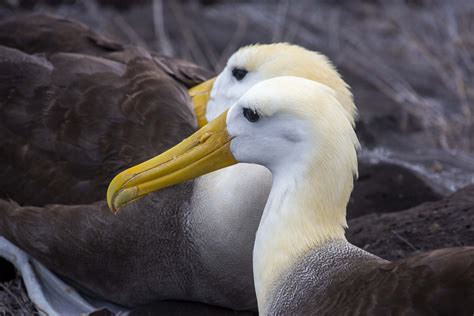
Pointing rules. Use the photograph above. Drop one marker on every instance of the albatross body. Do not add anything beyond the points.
(302, 262)
(77, 109)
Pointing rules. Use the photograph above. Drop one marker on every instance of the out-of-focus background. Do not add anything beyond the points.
(410, 64)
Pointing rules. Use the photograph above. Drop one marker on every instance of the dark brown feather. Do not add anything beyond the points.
(341, 280)
(46, 34)
(70, 121)
(181, 70)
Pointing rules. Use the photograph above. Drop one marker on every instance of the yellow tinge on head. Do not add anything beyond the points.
(205, 151)
(283, 59)
(200, 96)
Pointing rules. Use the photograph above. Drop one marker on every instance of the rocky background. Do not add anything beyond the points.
(411, 68)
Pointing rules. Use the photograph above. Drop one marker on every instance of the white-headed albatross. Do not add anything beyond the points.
(77, 109)
(302, 262)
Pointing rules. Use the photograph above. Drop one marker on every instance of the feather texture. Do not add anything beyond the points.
(75, 109)
(340, 279)
(83, 110)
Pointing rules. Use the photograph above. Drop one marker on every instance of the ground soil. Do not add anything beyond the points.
(445, 223)
(387, 188)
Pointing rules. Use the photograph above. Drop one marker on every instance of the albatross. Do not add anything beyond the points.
(302, 262)
(77, 109)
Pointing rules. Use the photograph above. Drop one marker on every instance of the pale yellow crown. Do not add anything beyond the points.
(283, 59)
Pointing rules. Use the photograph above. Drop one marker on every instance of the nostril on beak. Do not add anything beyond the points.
(204, 137)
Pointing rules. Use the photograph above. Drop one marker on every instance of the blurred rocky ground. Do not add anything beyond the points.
(411, 68)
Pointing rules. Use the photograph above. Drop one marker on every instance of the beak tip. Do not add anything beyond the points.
(111, 205)
(113, 192)
(110, 197)
(116, 199)
(114, 205)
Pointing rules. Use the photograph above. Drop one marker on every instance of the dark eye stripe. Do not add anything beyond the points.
(239, 73)
(251, 115)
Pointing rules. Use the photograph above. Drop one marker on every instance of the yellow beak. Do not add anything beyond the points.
(205, 151)
(200, 96)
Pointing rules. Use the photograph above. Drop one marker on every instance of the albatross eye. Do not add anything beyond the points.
(239, 73)
(251, 115)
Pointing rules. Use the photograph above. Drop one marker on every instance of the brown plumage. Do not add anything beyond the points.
(70, 120)
(76, 108)
(46, 35)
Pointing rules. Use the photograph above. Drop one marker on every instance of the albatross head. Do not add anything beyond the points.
(293, 126)
(253, 64)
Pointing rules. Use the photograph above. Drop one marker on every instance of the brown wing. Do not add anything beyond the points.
(345, 281)
(439, 282)
(70, 122)
(47, 34)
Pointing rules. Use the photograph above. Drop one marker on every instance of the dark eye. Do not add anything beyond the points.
(251, 115)
(239, 73)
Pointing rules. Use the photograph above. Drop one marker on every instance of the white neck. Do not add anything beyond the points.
(305, 209)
